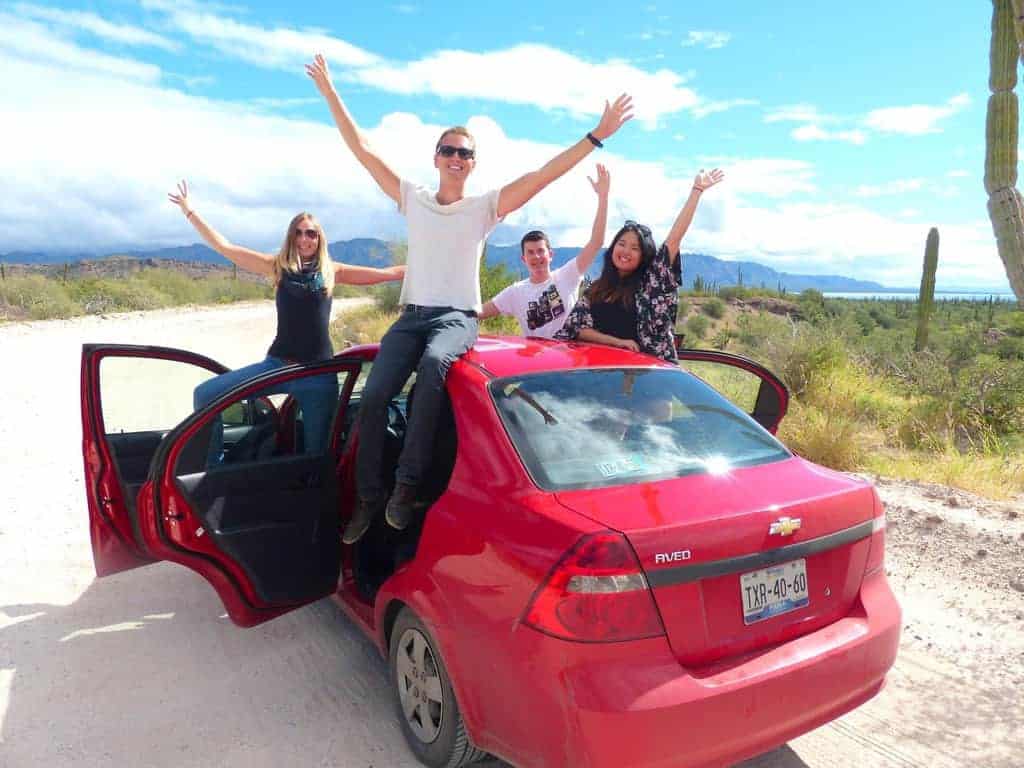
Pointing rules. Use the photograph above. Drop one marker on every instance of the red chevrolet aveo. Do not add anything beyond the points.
(613, 565)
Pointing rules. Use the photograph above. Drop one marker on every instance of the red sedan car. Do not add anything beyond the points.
(613, 564)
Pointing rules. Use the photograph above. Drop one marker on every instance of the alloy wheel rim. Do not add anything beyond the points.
(419, 686)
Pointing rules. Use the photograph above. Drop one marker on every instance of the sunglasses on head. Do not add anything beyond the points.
(312, 234)
(464, 153)
(643, 229)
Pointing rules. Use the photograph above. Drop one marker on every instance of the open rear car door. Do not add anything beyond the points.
(747, 384)
(243, 491)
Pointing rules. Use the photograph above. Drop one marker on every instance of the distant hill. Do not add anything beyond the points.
(372, 252)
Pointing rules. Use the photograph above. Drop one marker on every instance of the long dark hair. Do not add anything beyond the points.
(610, 286)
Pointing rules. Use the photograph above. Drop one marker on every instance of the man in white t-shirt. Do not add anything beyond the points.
(542, 301)
(441, 292)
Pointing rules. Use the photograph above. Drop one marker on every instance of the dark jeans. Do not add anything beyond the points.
(427, 340)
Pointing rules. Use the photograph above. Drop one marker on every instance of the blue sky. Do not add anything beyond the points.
(845, 131)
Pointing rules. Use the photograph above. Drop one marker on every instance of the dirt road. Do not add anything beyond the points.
(144, 669)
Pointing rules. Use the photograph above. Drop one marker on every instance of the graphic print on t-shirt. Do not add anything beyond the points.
(546, 308)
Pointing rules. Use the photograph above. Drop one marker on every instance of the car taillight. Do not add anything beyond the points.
(596, 593)
(876, 554)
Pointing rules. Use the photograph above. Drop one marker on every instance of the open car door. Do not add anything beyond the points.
(745, 383)
(259, 519)
(131, 397)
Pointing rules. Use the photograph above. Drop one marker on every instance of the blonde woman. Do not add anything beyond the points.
(304, 277)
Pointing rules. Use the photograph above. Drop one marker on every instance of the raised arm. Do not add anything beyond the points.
(601, 186)
(682, 223)
(253, 261)
(351, 274)
(386, 178)
(519, 192)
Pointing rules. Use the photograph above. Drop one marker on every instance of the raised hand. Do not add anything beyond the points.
(603, 182)
(614, 116)
(704, 180)
(320, 74)
(181, 199)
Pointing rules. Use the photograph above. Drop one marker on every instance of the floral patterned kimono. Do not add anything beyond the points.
(657, 304)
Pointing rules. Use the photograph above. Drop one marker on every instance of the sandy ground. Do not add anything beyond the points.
(144, 669)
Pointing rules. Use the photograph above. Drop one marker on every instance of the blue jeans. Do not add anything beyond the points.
(427, 340)
(317, 397)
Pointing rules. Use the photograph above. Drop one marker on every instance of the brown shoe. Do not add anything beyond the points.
(366, 510)
(399, 509)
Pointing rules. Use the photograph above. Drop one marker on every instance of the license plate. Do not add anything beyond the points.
(773, 591)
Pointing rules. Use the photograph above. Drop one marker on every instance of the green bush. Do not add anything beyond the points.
(38, 297)
(697, 326)
(714, 308)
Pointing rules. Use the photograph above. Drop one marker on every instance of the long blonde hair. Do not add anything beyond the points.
(288, 256)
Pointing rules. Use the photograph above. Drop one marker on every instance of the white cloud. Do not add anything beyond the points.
(897, 187)
(125, 34)
(706, 37)
(278, 48)
(917, 119)
(799, 113)
(104, 184)
(816, 133)
(958, 174)
(544, 77)
(531, 74)
(713, 107)
(36, 42)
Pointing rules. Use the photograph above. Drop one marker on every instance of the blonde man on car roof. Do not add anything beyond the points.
(441, 292)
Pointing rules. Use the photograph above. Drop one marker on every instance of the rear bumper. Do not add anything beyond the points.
(643, 710)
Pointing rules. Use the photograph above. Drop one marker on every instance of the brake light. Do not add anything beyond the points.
(596, 593)
(876, 554)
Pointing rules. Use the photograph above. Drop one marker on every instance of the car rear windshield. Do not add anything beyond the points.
(601, 427)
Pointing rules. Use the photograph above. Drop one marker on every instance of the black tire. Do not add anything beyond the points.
(433, 727)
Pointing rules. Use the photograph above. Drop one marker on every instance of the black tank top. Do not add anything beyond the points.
(303, 317)
(612, 318)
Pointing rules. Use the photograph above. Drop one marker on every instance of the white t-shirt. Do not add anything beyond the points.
(445, 246)
(541, 308)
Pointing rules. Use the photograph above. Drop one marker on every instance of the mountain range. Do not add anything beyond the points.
(373, 252)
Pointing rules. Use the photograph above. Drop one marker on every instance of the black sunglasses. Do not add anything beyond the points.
(643, 229)
(312, 234)
(464, 153)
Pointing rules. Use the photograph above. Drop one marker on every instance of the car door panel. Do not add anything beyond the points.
(772, 398)
(116, 462)
(282, 526)
(266, 533)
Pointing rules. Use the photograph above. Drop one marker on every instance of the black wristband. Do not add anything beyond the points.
(594, 140)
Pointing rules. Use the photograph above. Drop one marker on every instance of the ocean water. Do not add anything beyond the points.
(939, 295)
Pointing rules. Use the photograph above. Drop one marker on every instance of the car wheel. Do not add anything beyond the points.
(429, 714)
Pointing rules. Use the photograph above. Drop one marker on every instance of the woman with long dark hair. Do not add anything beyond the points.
(634, 303)
(304, 277)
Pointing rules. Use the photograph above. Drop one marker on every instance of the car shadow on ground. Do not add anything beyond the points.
(144, 668)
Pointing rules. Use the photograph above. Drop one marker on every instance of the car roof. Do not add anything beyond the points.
(514, 355)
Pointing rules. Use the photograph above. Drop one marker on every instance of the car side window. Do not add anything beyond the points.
(141, 394)
(283, 420)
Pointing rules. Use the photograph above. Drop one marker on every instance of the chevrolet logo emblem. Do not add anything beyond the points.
(784, 526)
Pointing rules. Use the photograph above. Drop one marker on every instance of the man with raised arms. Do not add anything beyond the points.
(441, 291)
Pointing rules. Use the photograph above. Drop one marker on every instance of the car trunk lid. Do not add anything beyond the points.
(714, 547)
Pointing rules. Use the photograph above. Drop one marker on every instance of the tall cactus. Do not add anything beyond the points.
(1005, 205)
(926, 298)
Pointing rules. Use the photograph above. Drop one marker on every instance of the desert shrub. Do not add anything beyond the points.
(1010, 348)
(364, 325)
(990, 393)
(697, 326)
(38, 297)
(831, 439)
(714, 308)
(1015, 324)
(98, 296)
